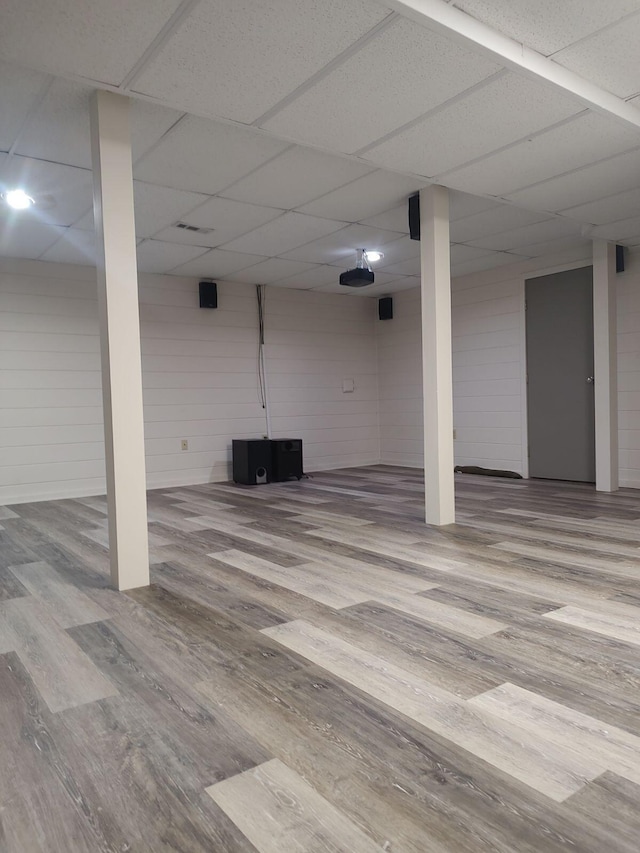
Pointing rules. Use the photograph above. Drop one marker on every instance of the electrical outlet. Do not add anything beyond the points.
(184, 444)
(455, 434)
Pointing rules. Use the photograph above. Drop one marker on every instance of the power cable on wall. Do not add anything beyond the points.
(263, 388)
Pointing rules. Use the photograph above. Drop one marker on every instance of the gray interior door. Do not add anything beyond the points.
(560, 399)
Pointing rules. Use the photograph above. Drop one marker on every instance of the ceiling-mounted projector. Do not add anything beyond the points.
(361, 275)
(357, 277)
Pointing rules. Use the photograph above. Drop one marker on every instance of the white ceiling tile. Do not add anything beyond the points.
(367, 96)
(173, 234)
(620, 206)
(205, 156)
(586, 139)
(237, 60)
(218, 263)
(85, 223)
(93, 39)
(528, 234)
(365, 197)
(59, 130)
(487, 262)
(460, 205)
(396, 219)
(460, 253)
(62, 193)
(463, 204)
(269, 271)
(487, 119)
(551, 247)
(493, 221)
(156, 256)
(623, 231)
(608, 58)
(149, 122)
(23, 236)
(74, 247)
(228, 219)
(583, 185)
(20, 87)
(283, 234)
(158, 207)
(407, 283)
(401, 268)
(339, 247)
(317, 275)
(546, 25)
(399, 250)
(297, 176)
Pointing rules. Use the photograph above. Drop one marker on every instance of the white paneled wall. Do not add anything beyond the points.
(629, 372)
(315, 341)
(199, 375)
(487, 364)
(489, 369)
(487, 327)
(400, 382)
(200, 380)
(51, 435)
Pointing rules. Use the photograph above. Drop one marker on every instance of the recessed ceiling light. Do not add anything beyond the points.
(18, 199)
(372, 257)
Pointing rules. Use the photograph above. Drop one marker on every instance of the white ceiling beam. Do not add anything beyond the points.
(439, 16)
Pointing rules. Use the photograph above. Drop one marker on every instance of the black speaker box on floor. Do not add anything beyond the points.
(385, 308)
(414, 217)
(251, 461)
(208, 294)
(286, 459)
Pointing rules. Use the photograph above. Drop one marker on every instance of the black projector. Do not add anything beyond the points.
(357, 277)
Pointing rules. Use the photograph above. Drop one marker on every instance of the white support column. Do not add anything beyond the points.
(605, 365)
(119, 339)
(437, 384)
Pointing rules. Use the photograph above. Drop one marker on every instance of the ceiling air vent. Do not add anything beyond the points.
(186, 227)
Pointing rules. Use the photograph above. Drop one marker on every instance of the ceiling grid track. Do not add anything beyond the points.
(336, 62)
(527, 138)
(461, 96)
(182, 12)
(457, 25)
(604, 29)
(37, 101)
(576, 171)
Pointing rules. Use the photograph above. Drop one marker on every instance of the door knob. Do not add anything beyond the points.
(590, 380)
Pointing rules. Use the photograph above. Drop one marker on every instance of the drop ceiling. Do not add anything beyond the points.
(290, 132)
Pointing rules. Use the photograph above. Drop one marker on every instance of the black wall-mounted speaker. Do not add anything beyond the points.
(286, 459)
(208, 294)
(251, 461)
(619, 258)
(385, 308)
(414, 217)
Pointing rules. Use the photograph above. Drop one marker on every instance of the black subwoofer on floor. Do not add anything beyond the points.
(286, 459)
(251, 461)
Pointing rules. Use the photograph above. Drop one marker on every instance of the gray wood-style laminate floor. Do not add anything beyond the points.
(315, 669)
